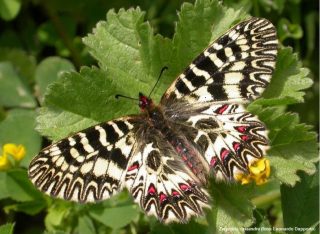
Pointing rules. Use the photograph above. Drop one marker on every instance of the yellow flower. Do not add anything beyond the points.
(259, 171)
(16, 151)
(4, 162)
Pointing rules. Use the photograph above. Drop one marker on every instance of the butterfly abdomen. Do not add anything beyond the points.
(189, 155)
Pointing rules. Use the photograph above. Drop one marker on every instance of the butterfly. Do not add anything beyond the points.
(165, 155)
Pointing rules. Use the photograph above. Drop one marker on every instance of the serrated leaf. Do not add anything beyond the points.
(231, 207)
(56, 123)
(206, 18)
(13, 92)
(48, 70)
(86, 94)
(288, 81)
(116, 217)
(286, 160)
(18, 128)
(7, 228)
(124, 36)
(294, 146)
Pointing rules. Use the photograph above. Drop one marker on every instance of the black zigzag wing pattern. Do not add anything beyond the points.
(160, 182)
(88, 166)
(236, 67)
(226, 135)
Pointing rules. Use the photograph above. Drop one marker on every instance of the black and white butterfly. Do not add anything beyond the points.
(165, 155)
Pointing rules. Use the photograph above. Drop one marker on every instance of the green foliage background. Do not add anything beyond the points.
(61, 62)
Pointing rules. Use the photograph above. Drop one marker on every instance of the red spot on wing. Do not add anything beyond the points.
(162, 197)
(151, 190)
(175, 193)
(213, 161)
(222, 109)
(184, 187)
(133, 167)
(236, 146)
(244, 137)
(224, 153)
(241, 129)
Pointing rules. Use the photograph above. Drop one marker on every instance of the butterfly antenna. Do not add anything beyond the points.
(162, 70)
(122, 96)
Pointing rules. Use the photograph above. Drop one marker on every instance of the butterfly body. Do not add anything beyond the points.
(165, 155)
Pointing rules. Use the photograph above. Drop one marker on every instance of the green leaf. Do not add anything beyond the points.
(18, 128)
(29, 207)
(48, 70)
(300, 204)
(85, 93)
(19, 186)
(23, 63)
(3, 191)
(13, 92)
(206, 18)
(231, 207)
(294, 146)
(288, 81)
(7, 228)
(287, 30)
(56, 123)
(86, 225)
(56, 217)
(125, 35)
(116, 217)
(9, 9)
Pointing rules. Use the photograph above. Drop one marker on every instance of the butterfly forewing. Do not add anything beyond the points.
(235, 68)
(87, 166)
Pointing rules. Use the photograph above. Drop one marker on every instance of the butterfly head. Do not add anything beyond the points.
(145, 103)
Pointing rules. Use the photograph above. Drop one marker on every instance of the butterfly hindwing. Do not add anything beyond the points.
(160, 183)
(235, 68)
(226, 135)
(240, 140)
(87, 166)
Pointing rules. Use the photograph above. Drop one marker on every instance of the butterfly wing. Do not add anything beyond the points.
(88, 166)
(226, 135)
(236, 67)
(205, 101)
(160, 182)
